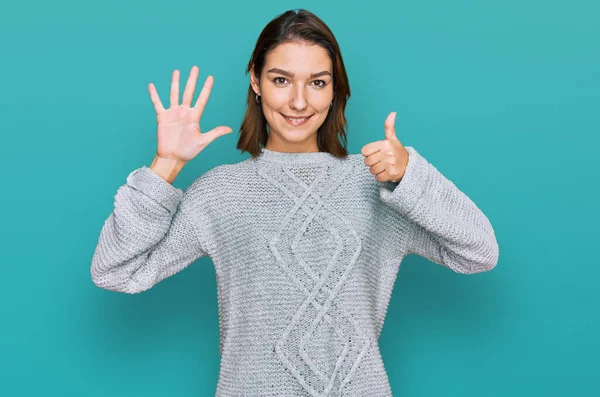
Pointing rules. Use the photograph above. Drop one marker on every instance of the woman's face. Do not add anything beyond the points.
(297, 81)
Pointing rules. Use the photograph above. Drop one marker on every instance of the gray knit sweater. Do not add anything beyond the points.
(306, 248)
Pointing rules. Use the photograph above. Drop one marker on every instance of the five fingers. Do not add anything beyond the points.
(188, 93)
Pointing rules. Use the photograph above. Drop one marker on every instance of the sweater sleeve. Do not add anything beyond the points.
(147, 237)
(445, 226)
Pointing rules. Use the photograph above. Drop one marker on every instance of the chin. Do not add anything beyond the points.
(296, 137)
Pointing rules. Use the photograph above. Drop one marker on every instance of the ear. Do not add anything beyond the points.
(254, 81)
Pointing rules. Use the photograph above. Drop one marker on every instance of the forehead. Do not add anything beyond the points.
(302, 59)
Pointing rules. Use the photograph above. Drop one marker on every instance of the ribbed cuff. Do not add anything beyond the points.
(412, 185)
(154, 186)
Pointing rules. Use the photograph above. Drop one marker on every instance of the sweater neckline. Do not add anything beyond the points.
(295, 157)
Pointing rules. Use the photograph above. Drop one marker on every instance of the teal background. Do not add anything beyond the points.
(502, 97)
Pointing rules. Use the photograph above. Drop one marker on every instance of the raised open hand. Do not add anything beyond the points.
(179, 135)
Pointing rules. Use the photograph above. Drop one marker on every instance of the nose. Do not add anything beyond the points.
(298, 101)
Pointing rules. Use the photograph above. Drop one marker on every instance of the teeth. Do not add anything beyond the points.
(296, 119)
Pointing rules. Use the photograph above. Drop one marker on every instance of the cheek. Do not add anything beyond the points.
(322, 102)
(275, 99)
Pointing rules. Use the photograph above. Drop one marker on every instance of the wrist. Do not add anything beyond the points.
(167, 168)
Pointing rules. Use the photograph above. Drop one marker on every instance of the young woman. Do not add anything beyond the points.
(305, 238)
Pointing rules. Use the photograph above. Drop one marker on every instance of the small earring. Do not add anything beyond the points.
(257, 100)
(330, 105)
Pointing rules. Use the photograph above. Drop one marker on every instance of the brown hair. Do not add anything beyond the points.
(304, 27)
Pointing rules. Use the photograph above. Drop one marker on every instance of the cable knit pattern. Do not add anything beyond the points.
(306, 249)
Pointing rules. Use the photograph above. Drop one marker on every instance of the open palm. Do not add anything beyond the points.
(179, 135)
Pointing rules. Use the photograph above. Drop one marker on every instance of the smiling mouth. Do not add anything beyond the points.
(296, 118)
(296, 121)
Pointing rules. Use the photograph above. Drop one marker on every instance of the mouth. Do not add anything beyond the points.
(296, 120)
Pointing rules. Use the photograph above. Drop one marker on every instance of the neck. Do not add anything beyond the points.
(276, 143)
(295, 157)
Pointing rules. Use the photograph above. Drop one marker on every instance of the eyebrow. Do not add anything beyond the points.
(290, 74)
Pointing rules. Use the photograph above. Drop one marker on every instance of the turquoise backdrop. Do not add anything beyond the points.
(502, 97)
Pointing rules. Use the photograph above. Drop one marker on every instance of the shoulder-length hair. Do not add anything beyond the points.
(303, 27)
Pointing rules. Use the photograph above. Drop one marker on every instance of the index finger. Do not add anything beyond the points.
(372, 148)
(155, 98)
(204, 94)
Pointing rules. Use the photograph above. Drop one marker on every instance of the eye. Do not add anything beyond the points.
(323, 83)
(278, 78)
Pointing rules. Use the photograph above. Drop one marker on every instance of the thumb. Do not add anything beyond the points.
(217, 132)
(390, 130)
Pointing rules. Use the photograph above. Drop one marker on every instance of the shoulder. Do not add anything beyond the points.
(361, 171)
(218, 181)
(356, 159)
(210, 180)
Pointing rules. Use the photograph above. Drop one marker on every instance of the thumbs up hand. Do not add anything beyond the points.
(388, 158)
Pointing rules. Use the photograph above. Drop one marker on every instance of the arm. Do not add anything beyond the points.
(446, 227)
(147, 237)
